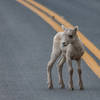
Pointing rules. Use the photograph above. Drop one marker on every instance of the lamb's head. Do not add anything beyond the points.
(69, 35)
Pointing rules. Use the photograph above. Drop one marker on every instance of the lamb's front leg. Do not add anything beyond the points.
(79, 73)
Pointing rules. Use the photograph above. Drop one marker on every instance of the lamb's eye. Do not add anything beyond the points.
(70, 36)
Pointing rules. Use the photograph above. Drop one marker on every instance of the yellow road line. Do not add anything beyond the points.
(86, 42)
(92, 64)
(87, 58)
(42, 15)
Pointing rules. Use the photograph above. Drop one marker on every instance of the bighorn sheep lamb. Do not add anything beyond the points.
(68, 47)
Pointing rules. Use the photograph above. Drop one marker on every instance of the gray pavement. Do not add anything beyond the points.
(25, 46)
(84, 13)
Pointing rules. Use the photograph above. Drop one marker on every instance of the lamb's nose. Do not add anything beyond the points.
(64, 43)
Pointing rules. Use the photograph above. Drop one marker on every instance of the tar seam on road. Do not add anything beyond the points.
(86, 57)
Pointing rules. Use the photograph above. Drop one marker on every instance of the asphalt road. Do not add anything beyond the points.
(25, 46)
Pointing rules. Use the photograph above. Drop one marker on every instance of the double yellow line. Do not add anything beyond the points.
(46, 15)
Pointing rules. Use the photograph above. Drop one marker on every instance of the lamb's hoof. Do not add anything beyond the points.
(62, 86)
(50, 86)
(81, 88)
(71, 88)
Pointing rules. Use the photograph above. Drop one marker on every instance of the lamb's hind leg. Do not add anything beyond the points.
(54, 56)
(79, 73)
(60, 66)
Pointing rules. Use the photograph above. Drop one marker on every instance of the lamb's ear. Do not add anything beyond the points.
(76, 28)
(63, 27)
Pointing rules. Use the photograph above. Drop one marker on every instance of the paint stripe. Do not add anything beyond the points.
(87, 58)
(92, 64)
(86, 42)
